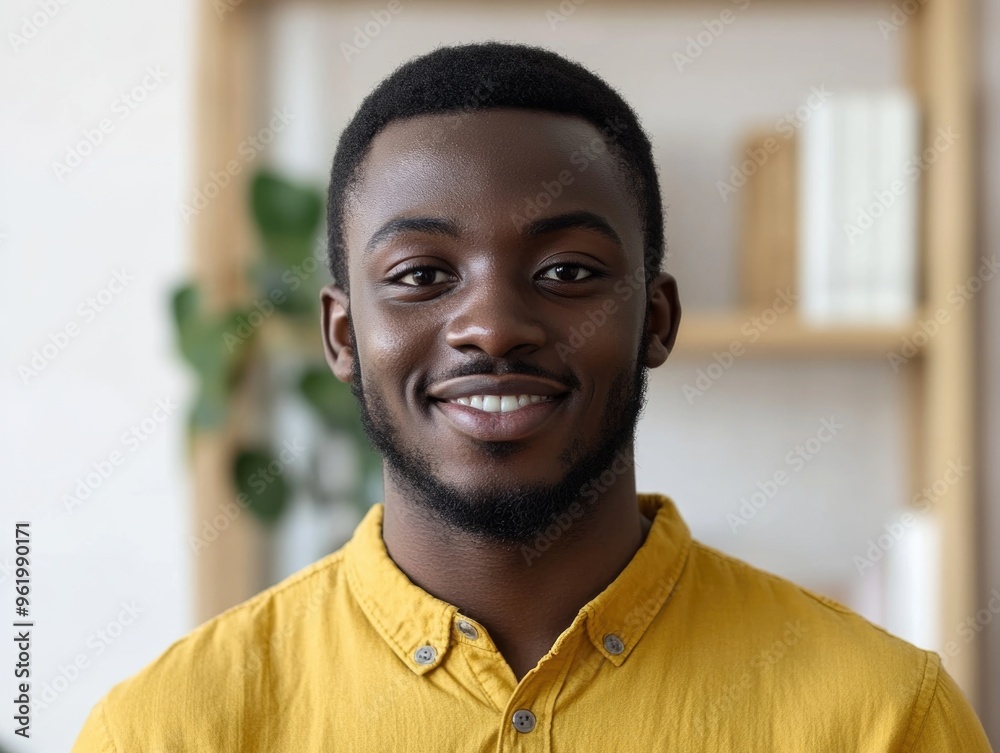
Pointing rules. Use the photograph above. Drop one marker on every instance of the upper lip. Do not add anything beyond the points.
(482, 384)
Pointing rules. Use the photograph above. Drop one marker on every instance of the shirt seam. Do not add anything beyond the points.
(107, 728)
(929, 685)
(267, 594)
(822, 600)
(555, 689)
(475, 676)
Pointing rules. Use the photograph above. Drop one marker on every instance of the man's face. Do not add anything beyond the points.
(497, 314)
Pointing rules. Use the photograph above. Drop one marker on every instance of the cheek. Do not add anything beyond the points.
(601, 343)
(391, 346)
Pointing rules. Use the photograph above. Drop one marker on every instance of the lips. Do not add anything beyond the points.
(483, 384)
(498, 408)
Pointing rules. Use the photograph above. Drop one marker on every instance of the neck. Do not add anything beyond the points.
(523, 596)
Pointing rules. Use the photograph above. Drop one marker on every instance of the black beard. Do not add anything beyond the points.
(514, 515)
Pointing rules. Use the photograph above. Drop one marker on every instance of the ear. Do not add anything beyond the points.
(335, 306)
(664, 318)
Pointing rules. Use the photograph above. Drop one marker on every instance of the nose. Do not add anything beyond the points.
(496, 318)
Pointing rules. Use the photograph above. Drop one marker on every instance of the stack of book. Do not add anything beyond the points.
(832, 214)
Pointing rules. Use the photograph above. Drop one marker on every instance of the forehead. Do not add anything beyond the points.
(489, 171)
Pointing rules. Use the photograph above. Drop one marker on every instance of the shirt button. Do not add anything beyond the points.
(468, 629)
(524, 720)
(425, 654)
(613, 644)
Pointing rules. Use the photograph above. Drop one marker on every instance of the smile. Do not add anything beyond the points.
(499, 403)
(499, 418)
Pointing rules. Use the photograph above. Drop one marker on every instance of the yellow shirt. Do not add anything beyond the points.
(687, 650)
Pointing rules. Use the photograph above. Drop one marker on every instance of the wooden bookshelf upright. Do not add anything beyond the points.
(940, 382)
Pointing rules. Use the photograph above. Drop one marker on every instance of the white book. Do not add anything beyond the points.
(858, 232)
(854, 246)
(817, 158)
(896, 274)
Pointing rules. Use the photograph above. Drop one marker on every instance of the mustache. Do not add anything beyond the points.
(486, 366)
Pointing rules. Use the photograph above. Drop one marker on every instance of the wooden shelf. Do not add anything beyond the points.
(704, 334)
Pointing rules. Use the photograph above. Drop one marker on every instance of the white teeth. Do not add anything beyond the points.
(499, 403)
(508, 403)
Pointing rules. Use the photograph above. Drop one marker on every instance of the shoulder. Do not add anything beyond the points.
(763, 601)
(799, 644)
(221, 665)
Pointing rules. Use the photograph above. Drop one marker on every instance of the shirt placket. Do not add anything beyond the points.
(525, 708)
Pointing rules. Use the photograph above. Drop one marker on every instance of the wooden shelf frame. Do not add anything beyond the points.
(706, 334)
(939, 49)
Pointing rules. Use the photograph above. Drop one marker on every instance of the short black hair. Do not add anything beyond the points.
(483, 76)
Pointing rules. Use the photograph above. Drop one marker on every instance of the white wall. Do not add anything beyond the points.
(62, 242)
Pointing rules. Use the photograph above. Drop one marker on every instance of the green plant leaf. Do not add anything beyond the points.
(209, 409)
(266, 491)
(286, 214)
(184, 304)
(331, 398)
(300, 297)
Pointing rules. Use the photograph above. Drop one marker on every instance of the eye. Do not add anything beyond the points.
(418, 277)
(567, 273)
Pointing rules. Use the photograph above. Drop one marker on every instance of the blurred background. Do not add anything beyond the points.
(831, 178)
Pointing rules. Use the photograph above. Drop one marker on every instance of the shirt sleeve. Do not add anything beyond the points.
(949, 724)
(94, 737)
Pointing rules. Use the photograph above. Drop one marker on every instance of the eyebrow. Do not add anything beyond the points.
(581, 219)
(401, 225)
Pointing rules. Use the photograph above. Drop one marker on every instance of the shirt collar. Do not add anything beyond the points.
(409, 619)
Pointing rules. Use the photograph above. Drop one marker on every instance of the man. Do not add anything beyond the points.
(513, 591)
